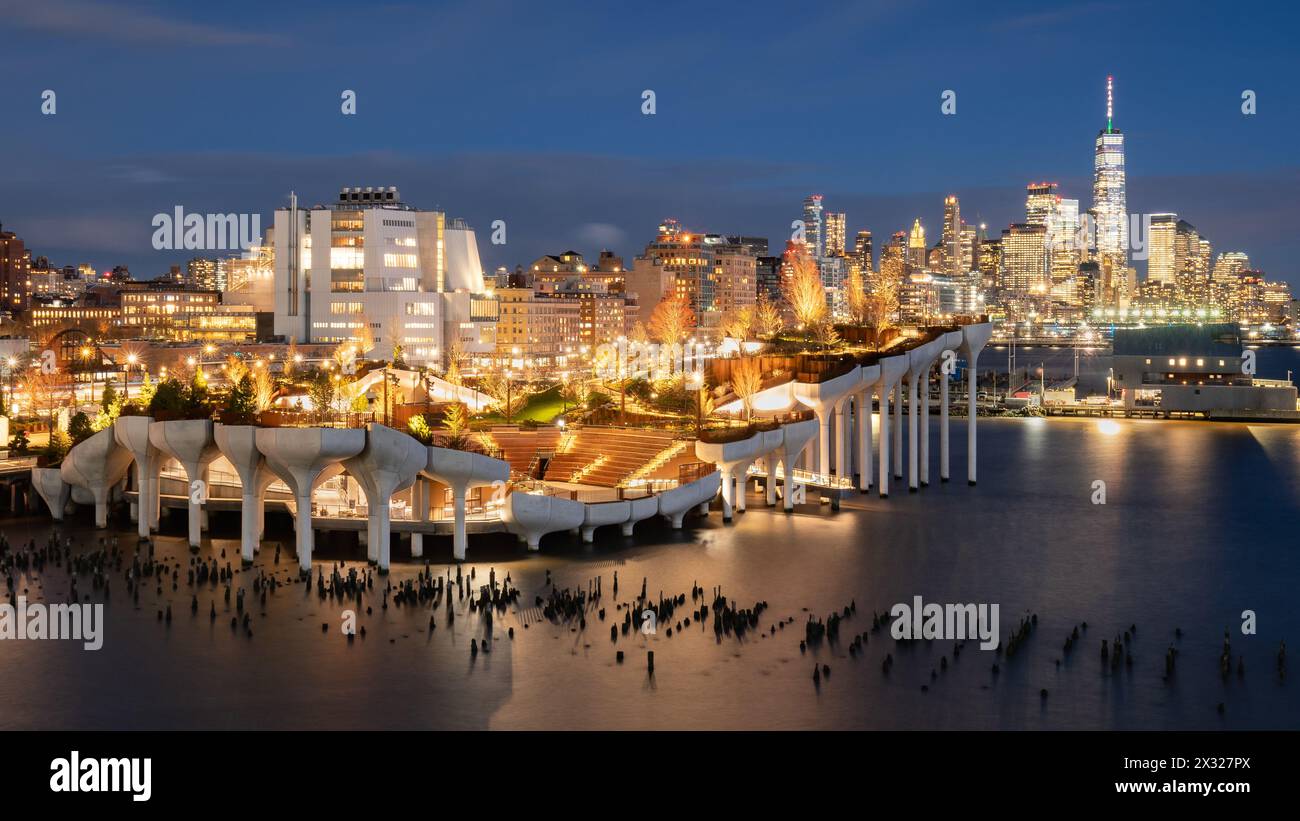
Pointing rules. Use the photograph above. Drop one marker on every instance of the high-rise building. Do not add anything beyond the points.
(951, 236)
(835, 236)
(893, 258)
(735, 277)
(992, 273)
(15, 269)
(916, 250)
(813, 232)
(1162, 254)
(862, 250)
(1040, 203)
(1024, 249)
(201, 272)
(1230, 265)
(968, 239)
(1109, 204)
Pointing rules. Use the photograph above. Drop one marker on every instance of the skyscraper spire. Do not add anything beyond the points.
(1110, 103)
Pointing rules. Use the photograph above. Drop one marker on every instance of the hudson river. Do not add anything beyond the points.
(1200, 523)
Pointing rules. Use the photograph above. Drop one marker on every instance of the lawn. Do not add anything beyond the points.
(541, 408)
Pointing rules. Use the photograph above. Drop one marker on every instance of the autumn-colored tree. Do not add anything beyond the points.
(856, 296)
(455, 355)
(672, 321)
(767, 317)
(738, 323)
(882, 305)
(803, 291)
(747, 380)
(640, 335)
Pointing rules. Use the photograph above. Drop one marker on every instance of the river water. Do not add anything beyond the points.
(1199, 524)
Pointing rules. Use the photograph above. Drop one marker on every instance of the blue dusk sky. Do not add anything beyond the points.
(531, 113)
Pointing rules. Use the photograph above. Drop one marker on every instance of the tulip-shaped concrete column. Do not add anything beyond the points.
(50, 486)
(952, 342)
(238, 443)
(795, 438)
(868, 376)
(420, 505)
(190, 442)
(97, 464)
(390, 462)
(132, 433)
(892, 369)
(461, 470)
(824, 399)
(300, 456)
(898, 429)
(920, 360)
(974, 338)
(733, 460)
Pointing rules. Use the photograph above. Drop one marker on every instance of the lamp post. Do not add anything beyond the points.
(126, 376)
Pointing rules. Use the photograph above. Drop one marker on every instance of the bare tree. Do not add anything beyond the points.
(747, 380)
(672, 321)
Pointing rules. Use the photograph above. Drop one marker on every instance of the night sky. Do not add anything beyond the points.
(531, 112)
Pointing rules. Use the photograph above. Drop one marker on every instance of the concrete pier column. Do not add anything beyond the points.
(420, 505)
(97, 464)
(460, 539)
(302, 458)
(740, 473)
(190, 442)
(898, 429)
(132, 433)
(943, 426)
(912, 439)
(823, 453)
(974, 338)
(769, 485)
(727, 491)
(864, 412)
(238, 443)
(843, 469)
(389, 462)
(924, 388)
(883, 478)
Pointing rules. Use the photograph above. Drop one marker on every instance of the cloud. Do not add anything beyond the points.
(122, 23)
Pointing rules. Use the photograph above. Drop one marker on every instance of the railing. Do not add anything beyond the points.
(315, 419)
(807, 477)
(693, 471)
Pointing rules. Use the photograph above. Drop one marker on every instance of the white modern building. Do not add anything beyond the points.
(371, 266)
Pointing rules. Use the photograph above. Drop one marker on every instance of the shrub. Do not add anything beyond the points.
(79, 428)
(60, 444)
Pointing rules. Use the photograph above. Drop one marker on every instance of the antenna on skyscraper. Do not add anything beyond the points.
(1110, 103)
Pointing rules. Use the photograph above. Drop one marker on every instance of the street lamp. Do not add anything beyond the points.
(698, 380)
(126, 375)
(509, 376)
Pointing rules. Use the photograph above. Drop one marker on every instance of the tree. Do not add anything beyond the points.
(803, 291)
(738, 323)
(455, 357)
(59, 445)
(672, 321)
(882, 304)
(507, 397)
(79, 428)
(767, 317)
(320, 390)
(240, 407)
(747, 380)
(856, 296)
(263, 388)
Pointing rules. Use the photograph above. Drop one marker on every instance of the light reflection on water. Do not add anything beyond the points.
(1199, 524)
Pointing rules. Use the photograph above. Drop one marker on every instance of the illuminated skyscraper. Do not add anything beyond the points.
(862, 250)
(1109, 204)
(952, 256)
(835, 234)
(1025, 256)
(1040, 203)
(1162, 259)
(916, 247)
(812, 226)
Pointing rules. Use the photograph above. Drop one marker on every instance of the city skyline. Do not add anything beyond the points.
(612, 165)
